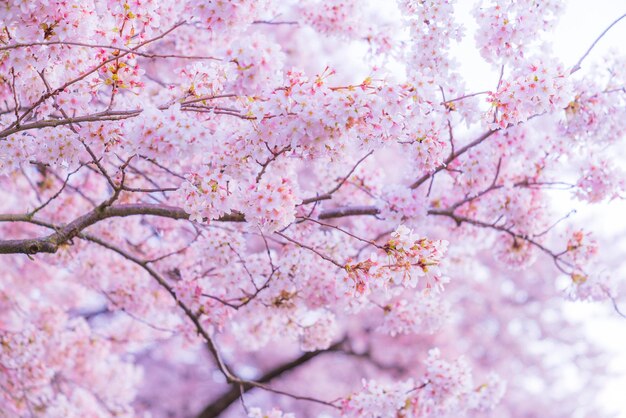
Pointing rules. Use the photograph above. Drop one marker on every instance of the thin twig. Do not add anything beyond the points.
(576, 66)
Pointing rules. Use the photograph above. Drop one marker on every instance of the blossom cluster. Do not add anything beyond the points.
(334, 17)
(540, 87)
(124, 74)
(164, 133)
(427, 143)
(271, 203)
(600, 180)
(446, 390)
(450, 388)
(590, 287)
(32, 22)
(449, 384)
(581, 257)
(433, 27)
(406, 259)
(56, 348)
(515, 252)
(202, 79)
(258, 65)
(228, 17)
(507, 28)
(413, 257)
(317, 119)
(318, 331)
(206, 195)
(595, 115)
(12, 153)
(288, 318)
(400, 202)
(378, 399)
(422, 313)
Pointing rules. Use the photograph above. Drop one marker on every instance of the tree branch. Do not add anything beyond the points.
(50, 243)
(50, 123)
(453, 156)
(219, 405)
(328, 195)
(84, 75)
(576, 66)
(349, 211)
(165, 285)
(63, 234)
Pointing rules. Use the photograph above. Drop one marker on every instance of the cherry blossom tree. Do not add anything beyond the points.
(261, 208)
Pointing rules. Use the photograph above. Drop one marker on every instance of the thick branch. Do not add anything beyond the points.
(223, 402)
(50, 123)
(349, 211)
(50, 243)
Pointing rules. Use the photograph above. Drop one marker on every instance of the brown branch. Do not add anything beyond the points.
(459, 220)
(102, 46)
(617, 309)
(58, 90)
(64, 234)
(349, 211)
(345, 211)
(50, 123)
(307, 218)
(165, 285)
(230, 377)
(299, 244)
(450, 213)
(453, 156)
(329, 194)
(219, 405)
(57, 194)
(50, 243)
(195, 319)
(272, 22)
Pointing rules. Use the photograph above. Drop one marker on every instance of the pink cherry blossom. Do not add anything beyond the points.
(271, 209)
